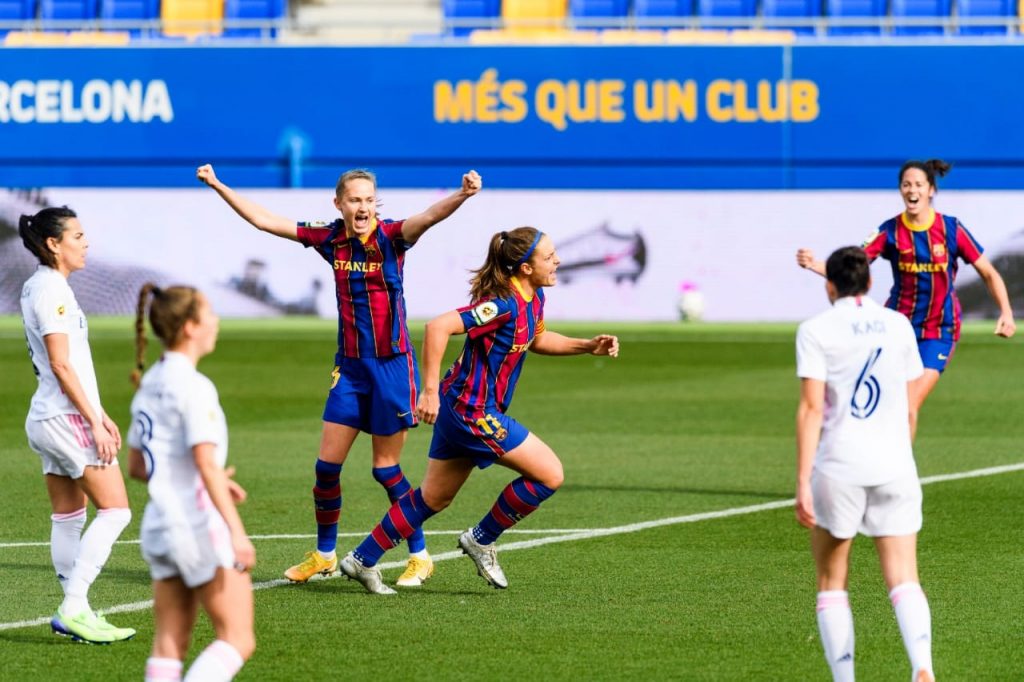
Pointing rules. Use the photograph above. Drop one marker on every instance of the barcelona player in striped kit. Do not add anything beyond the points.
(922, 247)
(469, 407)
(375, 379)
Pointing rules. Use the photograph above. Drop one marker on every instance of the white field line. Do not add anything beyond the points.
(310, 536)
(566, 536)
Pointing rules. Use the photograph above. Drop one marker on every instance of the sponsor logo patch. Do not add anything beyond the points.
(485, 312)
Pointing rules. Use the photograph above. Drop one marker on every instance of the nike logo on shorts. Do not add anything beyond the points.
(404, 414)
(943, 357)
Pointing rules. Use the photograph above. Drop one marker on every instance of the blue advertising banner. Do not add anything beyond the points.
(563, 117)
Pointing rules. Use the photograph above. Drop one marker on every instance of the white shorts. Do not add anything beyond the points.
(892, 509)
(192, 552)
(65, 444)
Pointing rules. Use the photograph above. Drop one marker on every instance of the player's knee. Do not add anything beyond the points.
(117, 516)
(554, 476)
(436, 500)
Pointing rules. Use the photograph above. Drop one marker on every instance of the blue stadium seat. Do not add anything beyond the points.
(597, 9)
(252, 9)
(977, 9)
(855, 9)
(803, 9)
(129, 10)
(726, 9)
(648, 12)
(480, 10)
(16, 10)
(68, 10)
(919, 9)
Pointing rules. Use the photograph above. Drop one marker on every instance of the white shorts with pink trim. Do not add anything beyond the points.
(65, 444)
(891, 509)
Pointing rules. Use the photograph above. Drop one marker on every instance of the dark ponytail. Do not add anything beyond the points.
(932, 168)
(505, 253)
(169, 310)
(48, 223)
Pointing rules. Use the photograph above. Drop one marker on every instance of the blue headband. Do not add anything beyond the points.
(529, 251)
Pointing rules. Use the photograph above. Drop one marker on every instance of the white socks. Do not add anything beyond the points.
(65, 536)
(915, 620)
(835, 623)
(219, 662)
(163, 669)
(93, 552)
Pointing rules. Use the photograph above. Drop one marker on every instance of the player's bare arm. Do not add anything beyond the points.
(1005, 326)
(414, 227)
(809, 417)
(553, 343)
(251, 212)
(805, 259)
(435, 340)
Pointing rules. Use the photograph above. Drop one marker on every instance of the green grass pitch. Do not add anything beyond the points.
(689, 420)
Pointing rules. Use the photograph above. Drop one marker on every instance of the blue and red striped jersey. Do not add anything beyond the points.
(368, 280)
(924, 265)
(499, 331)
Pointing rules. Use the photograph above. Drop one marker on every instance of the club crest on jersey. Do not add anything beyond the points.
(938, 250)
(60, 311)
(485, 312)
(371, 252)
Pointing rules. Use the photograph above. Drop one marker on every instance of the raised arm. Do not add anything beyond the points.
(414, 227)
(218, 486)
(809, 417)
(551, 343)
(435, 341)
(253, 213)
(805, 259)
(1005, 326)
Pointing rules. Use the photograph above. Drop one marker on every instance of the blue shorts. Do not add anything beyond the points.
(375, 395)
(484, 440)
(935, 353)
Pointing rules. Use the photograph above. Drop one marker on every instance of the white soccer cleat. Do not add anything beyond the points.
(486, 559)
(368, 577)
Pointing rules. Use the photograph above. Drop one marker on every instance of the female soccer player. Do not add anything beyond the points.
(855, 464)
(192, 537)
(471, 427)
(922, 247)
(66, 424)
(375, 377)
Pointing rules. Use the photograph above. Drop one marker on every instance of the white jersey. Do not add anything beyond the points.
(174, 409)
(866, 355)
(48, 306)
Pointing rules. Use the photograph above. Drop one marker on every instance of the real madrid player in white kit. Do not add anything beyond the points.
(67, 426)
(855, 463)
(192, 535)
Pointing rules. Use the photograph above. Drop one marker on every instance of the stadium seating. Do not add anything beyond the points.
(534, 15)
(919, 9)
(590, 11)
(470, 10)
(67, 10)
(856, 9)
(16, 10)
(978, 9)
(135, 11)
(802, 9)
(250, 10)
(661, 13)
(726, 9)
(191, 18)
